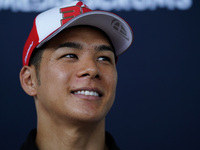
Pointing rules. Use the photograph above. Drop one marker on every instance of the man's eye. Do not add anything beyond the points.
(70, 56)
(104, 58)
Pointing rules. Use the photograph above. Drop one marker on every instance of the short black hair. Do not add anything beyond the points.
(36, 58)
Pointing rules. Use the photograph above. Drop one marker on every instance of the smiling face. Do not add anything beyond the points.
(78, 76)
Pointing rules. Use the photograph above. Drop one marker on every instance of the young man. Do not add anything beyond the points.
(69, 67)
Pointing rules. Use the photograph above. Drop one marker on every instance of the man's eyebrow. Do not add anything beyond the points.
(70, 45)
(79, 46)
(105, 48)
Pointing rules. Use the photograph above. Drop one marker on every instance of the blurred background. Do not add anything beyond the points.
(157, 104)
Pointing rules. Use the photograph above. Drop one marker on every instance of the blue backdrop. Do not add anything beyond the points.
(157, 104)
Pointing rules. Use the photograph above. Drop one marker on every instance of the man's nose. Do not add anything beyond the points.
(89, 69)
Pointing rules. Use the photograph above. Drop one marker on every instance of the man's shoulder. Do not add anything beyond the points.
(110, 142)
(30, 144)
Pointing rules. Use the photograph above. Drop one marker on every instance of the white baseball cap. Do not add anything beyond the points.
(49, 23)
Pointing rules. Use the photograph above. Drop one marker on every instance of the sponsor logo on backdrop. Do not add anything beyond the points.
(109, 5)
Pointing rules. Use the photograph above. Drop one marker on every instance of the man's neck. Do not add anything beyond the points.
(65, 137)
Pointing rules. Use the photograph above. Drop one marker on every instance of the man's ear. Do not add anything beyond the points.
(28, 78)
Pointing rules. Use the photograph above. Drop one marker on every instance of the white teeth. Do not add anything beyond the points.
(92, 93)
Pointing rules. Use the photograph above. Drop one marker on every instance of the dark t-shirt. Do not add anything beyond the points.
(30, 144)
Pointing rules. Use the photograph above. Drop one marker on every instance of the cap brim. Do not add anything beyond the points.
(119, 32)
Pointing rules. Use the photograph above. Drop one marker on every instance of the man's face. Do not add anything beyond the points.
(78, 76)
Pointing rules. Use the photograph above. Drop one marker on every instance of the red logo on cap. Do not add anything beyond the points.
(73, 11)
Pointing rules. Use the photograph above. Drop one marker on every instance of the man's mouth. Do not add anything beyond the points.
(91, 93)
(88, 93)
